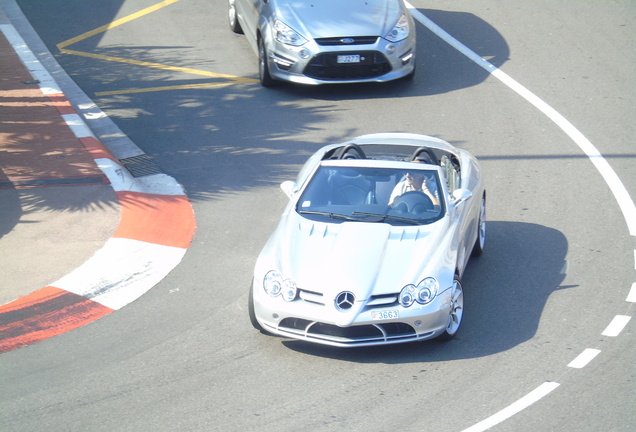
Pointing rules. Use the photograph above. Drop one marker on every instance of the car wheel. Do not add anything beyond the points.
(478, 249)
(250, 308)
(456, 312)
(235, 26)
(263, 66)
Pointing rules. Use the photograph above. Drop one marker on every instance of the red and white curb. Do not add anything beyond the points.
(156, 227)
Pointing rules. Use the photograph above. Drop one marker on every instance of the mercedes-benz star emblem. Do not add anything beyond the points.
(345, 300)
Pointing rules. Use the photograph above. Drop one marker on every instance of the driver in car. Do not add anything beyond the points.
(414, 181)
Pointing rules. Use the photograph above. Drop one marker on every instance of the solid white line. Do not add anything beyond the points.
(616, 326)
(77, 125)
(47, 83)
(631, 297)
(584, 358)
(621, 194)
(532, 397)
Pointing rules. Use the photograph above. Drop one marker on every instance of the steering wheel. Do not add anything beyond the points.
(415, 202)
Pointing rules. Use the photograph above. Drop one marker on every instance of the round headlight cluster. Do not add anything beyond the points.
(423, 293)
(274, 285)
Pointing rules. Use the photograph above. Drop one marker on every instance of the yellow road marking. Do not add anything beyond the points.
(175, 87)
(62, 47)
(157, 65)
(116, 23)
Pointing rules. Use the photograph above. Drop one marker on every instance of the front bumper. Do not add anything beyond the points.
(317, 62)
(322, 324)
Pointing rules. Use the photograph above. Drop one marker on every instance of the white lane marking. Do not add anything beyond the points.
(77, 125)
(584, 358)
(616, 326)
(532, 397)
(122, 181)
(621, 194)
(47, 83)
(631, 297)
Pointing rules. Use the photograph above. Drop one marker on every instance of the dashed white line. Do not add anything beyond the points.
(532, 397)
(584, 358)
(616, 326)
(631, 297)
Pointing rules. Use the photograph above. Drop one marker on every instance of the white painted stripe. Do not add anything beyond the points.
(119, 177)
(122, 181)
(38, 71)
(584, 358)
(621, 194)
(77, 125)
(616, 326)
(532, 397)
(121, 271)
(160, 184)
(631, 297)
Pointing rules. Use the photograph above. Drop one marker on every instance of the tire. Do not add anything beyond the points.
(456, 312)
(235, 26)
(263, 66)
(480, 242)
(250, 309)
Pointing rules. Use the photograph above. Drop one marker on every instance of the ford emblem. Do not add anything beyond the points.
(347, 40)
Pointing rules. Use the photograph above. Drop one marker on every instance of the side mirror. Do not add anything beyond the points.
(460, 196)
(289, 187)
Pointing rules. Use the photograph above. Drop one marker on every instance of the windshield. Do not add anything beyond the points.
(395, 196)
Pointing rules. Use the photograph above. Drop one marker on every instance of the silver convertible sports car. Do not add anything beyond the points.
(373, 243)
(327, 41)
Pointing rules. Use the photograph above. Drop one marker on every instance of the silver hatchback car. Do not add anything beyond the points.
(327, 41)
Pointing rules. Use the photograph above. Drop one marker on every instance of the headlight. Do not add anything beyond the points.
(426, 290)
(423, 293)
(407, 295)
(289, 290)
(399, 31)
(286, 35)
(274, 285)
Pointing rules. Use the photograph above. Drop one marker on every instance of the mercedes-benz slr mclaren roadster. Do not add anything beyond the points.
(373, 243)
(327, 41)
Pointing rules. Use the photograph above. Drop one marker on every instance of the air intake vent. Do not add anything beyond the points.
(358, 40)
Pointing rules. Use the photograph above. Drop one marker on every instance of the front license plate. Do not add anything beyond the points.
(350, 58)
(384, 315)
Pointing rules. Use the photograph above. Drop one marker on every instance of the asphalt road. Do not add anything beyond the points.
(558, 267)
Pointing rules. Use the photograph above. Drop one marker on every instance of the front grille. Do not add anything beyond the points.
(375, 301)
(337, 41)
(361, 334)
(325, 66)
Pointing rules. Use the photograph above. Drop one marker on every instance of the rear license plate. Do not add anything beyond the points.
(384, 315)
(350, 58)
